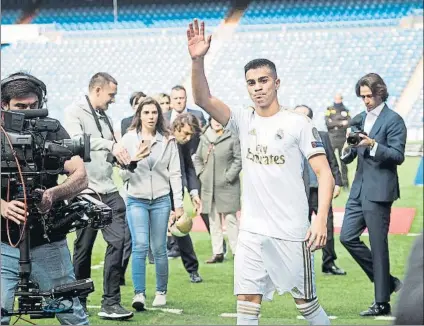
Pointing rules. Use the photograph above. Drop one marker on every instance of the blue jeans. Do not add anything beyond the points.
(50, 266)
(148, 220)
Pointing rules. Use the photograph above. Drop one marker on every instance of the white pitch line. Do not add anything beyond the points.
(329, 317)
(384, 318)
(100, 265)
(172, 311)
(413, 234)
(231, 315)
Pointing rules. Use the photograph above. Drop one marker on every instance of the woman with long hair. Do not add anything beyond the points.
(154, 152)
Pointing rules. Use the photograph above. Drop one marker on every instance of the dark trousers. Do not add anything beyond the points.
(337, 141)
(114, 235)
(360, 214)
(126, 252)
(328, 252)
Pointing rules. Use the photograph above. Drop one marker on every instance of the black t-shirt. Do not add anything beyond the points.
(49, 181)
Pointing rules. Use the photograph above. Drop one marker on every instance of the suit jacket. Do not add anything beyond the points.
(199, 115)
(188, 172)
(332, 161)
(125, 124)
(376, 176)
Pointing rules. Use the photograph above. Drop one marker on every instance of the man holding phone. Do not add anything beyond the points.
(89, 116)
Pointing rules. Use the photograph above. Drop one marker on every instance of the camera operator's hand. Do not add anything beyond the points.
(46, 202)
(365, 142)
(142, 152)
(13, 210)
(121, 154)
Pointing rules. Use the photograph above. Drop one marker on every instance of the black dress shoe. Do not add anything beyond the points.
(195, 277)
(377, 309)
(216, 259)
(333, 270)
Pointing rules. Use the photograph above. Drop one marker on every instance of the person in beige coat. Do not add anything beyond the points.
(218, 165)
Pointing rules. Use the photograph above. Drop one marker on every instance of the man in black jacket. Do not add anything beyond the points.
(337, 119)
(185, 129)
(179, 106)
(311, 186)
(135, 99)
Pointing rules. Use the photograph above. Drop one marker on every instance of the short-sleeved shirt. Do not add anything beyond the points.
(273, 153)
(48, 181)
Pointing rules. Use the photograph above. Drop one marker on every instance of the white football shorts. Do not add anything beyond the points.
(263, 265)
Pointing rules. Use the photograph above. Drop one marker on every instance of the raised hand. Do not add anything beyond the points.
(198, 45)
(142, 152)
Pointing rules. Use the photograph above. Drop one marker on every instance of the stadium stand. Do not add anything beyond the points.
(81, 16)
(292, 11)
(151, 63)
(314, 65)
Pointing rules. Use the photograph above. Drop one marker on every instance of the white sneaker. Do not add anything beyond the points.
(139, 302)
(160, 299)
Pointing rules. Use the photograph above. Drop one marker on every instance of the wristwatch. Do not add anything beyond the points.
(372, 143)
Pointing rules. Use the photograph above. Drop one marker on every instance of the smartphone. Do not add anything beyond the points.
(147, 142)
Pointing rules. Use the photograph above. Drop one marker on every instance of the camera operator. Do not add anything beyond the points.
(51, 264)
(89, 116)
(378, 140)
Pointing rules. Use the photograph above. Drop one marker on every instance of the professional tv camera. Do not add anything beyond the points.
(24, 152)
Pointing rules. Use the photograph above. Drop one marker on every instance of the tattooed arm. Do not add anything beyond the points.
(76, 182)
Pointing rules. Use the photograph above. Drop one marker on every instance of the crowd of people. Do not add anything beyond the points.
(290, 173)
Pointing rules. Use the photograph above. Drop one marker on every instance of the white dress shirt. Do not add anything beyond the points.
(369, 122)
(175, 114)
(370, 119)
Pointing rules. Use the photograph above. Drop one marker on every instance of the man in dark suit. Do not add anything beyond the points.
(186, 127)
(179, 106)
(375, 187)
(135, 100)
(311, 186)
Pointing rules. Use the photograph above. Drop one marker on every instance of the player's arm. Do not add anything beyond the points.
(198, 46)
(319, 165)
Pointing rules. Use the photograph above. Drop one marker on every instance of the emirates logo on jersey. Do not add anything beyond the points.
(261, 156)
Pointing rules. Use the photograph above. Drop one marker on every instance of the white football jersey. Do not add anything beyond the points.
(273, 153)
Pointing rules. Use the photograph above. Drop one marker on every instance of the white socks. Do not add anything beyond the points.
(313, 313)
(248, 313)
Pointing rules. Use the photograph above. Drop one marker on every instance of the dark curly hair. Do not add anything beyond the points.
(375, 83)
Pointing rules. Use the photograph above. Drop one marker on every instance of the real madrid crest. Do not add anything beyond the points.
(280, 134)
